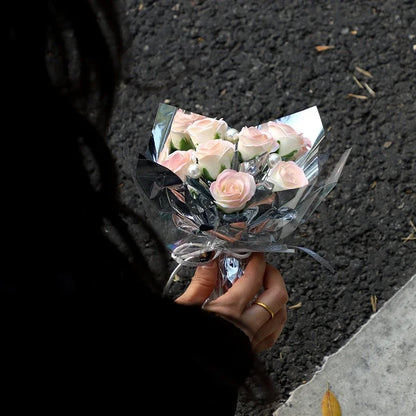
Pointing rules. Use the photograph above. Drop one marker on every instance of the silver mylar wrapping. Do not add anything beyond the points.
(196, 231)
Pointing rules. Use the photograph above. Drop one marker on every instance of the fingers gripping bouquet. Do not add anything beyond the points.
(228, 193)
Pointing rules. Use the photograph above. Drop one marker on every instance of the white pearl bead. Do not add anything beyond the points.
(194, 171)
(274, 159)
(231, 135)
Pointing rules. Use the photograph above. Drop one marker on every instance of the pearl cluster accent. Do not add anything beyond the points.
(274, 159)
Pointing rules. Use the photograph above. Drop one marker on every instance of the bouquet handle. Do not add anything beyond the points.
(230, 269)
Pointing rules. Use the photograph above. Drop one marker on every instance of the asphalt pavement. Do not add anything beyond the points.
(249, 62)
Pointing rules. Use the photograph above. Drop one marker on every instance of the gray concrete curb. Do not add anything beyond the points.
(375, 372)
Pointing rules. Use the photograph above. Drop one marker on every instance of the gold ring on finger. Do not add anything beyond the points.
(264, 306)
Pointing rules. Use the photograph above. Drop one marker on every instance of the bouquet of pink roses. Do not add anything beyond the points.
(231, 192)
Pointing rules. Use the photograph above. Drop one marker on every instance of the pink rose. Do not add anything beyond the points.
(214, 156)
(306, 146)
(292, 144)
(178, 135)
(287, 175)
(253, 142)
(179, 161)
(232, 190)
(183, 120)
(206, 129)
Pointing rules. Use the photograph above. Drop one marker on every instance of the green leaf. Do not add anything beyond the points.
(171, 148)
(206, 175)
(185, 144)
(289, 156)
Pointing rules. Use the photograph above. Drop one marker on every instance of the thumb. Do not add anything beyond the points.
(201, 286)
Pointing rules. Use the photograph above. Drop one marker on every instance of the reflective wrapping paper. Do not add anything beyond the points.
(197, 228)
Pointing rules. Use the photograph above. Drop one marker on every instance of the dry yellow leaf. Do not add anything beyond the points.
(330, 405)
(321, 48)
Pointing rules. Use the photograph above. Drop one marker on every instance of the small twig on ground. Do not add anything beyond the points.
(369, 89)
(412, 235)
(363, 71)
(360, 97)
(357, 82)
(374, 303)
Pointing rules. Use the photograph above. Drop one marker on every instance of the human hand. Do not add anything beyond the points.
(237, 304)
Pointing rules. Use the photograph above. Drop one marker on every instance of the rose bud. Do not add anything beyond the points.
(178, 136)
(287, 175)
(214, 156)
(206, 129)
(232, 190)
(253, 142)
(292, 144)
(179, 161)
